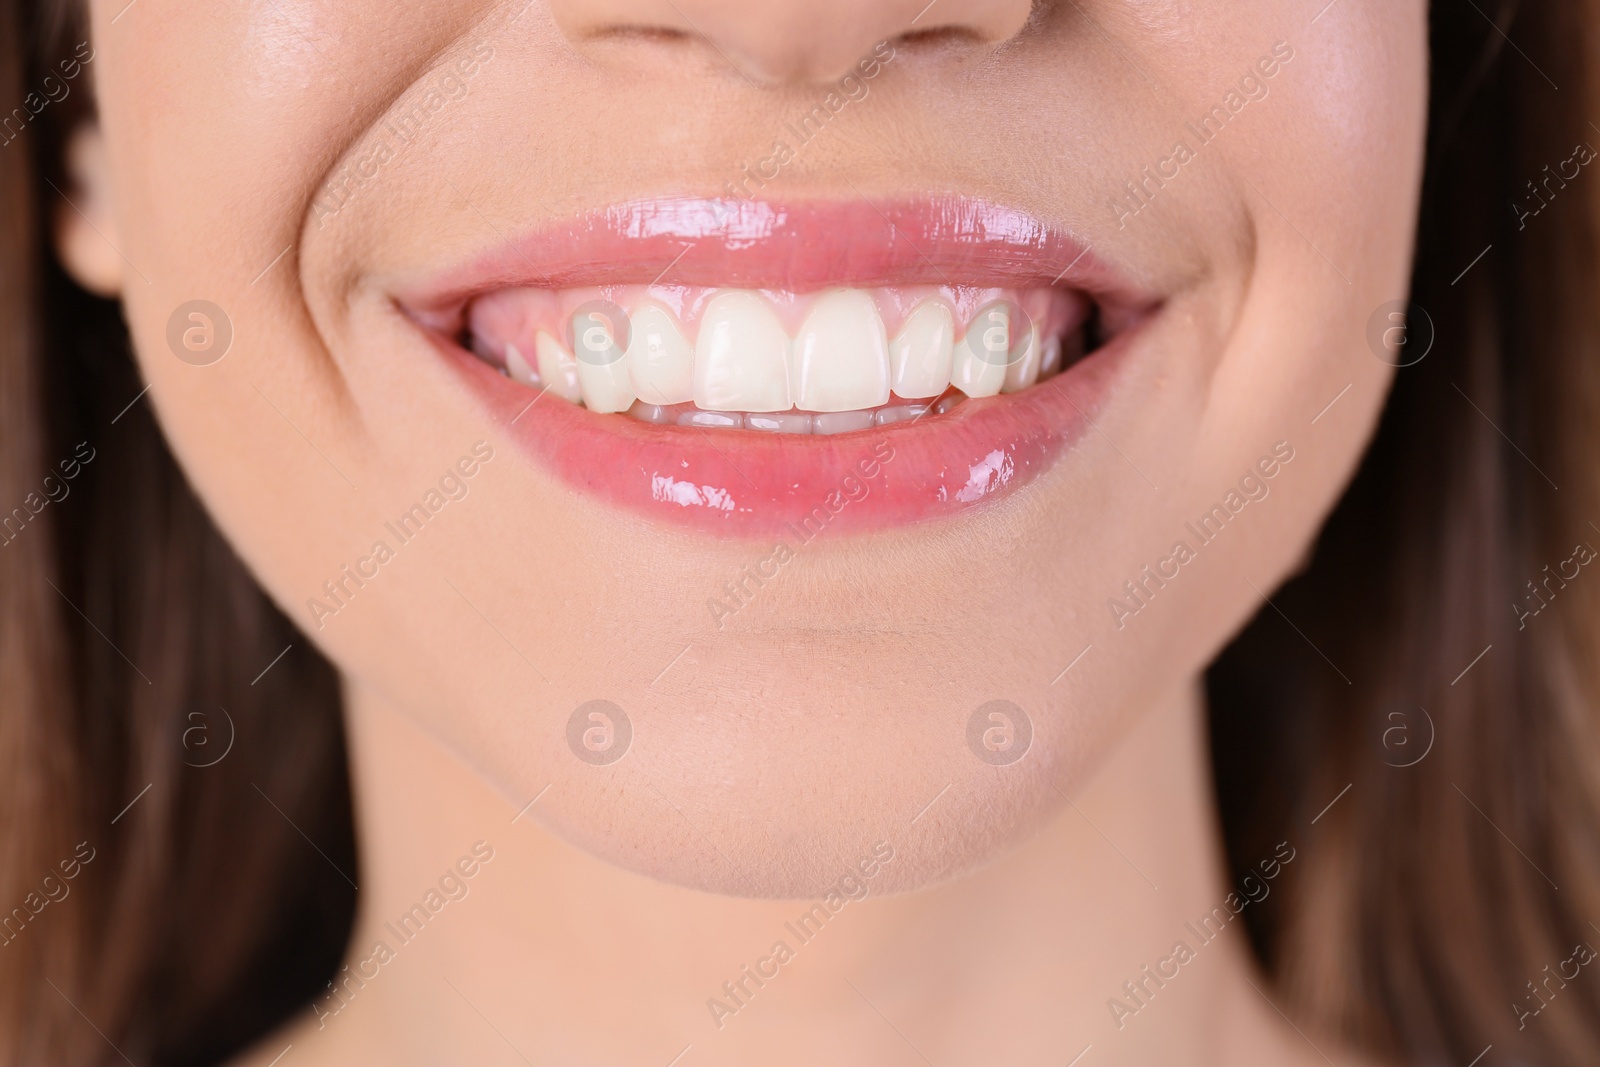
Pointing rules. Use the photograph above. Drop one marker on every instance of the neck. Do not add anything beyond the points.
(1111, 928)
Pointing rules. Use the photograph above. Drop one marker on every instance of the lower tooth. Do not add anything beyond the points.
(791, 422)
(729, 420)
(840, 421)
(651, 413)
(901, 413)
(778, 423)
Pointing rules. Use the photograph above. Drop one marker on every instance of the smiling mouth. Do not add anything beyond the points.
(742, 366)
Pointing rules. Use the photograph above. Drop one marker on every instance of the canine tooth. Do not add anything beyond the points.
(841, 356)
(557, 367)
(729, 420)
(660, 361)
(979, 365)
(602, 367)
(741, 356)
(1050, 358)
(841, 421)
(1025, 371)
(787, 423)
(900, 413)
(947, 403)
(517, 367)
(651, 413)
(919, 359)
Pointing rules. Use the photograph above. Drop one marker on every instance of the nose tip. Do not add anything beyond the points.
(779, 42)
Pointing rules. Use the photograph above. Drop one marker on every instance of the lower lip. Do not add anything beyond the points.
(746, 484)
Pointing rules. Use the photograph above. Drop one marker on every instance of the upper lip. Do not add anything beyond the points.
(800, 246)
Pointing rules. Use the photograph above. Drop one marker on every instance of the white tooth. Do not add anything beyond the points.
(722, 420)
(841, 421)
(557, 367)
(1025, 371)
(919, 359)
(900, 413)
(789, 423)
(948, 403)
(741, 356)
(979, 366)
(841, 357)
(1050, 362)
(517, 367)
(651, 412)
(602, 367)
(660, 361)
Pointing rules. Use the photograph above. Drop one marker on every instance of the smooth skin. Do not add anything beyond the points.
(771, 755)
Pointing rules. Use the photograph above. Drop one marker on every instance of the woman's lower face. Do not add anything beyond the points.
(780, 418)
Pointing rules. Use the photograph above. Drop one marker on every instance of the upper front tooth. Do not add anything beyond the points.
(660, 361)
(741, 356)
(557, 367)
(841, 357)
(981, 359)
(602, 368)
(1024, 372)
(919, 359)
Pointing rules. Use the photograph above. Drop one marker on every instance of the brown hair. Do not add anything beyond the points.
(1426, 903)
(131, 638)
(1442, 899)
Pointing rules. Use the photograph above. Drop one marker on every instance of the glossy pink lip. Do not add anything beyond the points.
(758, 244)
(748, 484)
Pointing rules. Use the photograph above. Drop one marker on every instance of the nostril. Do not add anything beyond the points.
(657, 35)
(783, 42)
(938, 37)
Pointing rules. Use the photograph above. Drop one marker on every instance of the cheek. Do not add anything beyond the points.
(220, 136)
(1305, 206)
